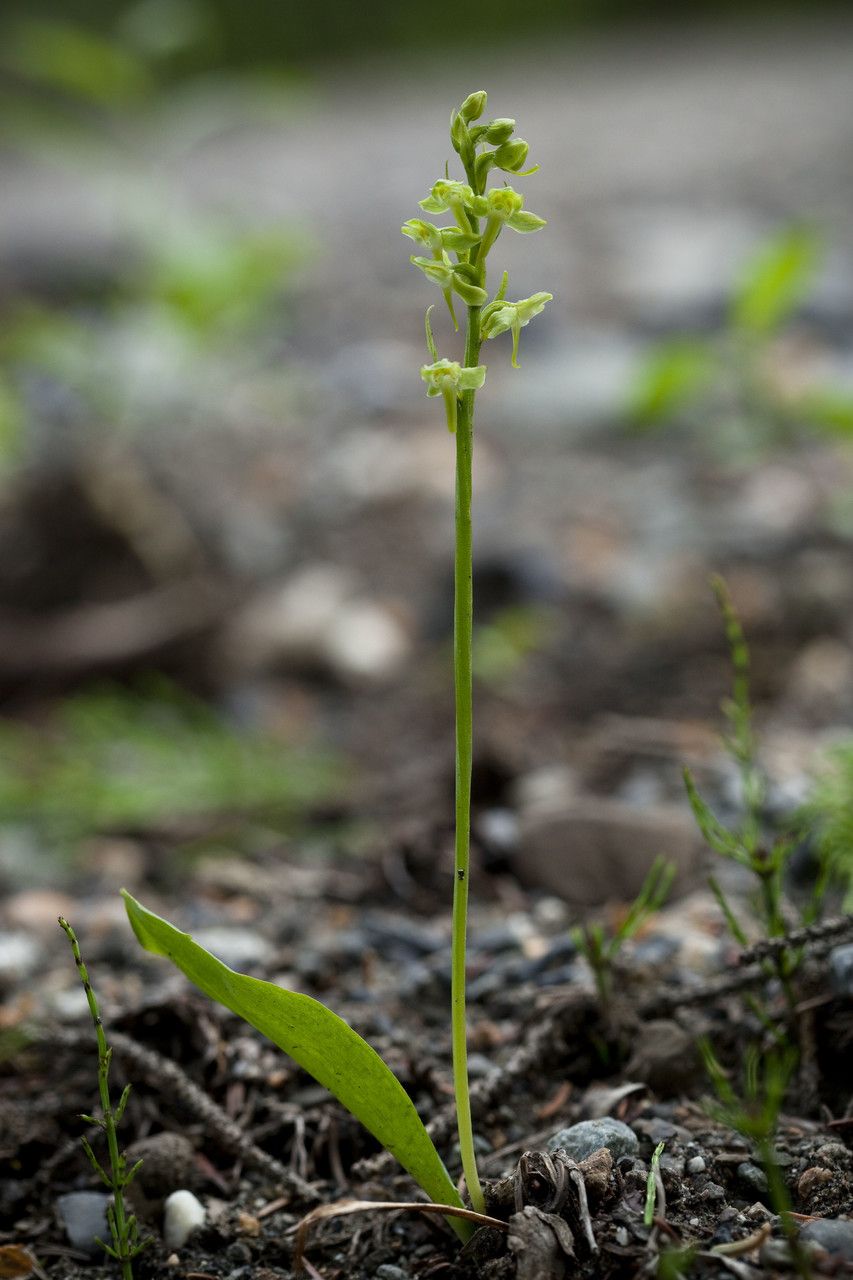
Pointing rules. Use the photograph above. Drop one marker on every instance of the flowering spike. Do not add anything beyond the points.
(467, 202)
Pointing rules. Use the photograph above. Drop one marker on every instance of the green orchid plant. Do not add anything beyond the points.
(479, 217)
(455, 261)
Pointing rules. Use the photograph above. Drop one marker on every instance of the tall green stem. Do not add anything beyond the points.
(462, 636)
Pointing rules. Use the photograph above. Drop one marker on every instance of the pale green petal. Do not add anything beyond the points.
(472, 379)
(456, 238)
(470, 294)
(431, 205)
(524, 221)
(421, 232)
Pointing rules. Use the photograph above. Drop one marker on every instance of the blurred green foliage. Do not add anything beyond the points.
(829, 814)
(727, 381)
(200, 35)
(119, 760)
(116, 343)
(501, 646)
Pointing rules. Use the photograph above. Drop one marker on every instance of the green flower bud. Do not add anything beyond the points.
(473, 106)
(499, 316)
(447, 378)
(498, 131)
(510, 156)
(459, 135)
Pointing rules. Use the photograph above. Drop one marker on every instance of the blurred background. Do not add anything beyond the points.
(226, 504)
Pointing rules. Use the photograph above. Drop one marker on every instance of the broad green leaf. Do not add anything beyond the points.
(320, 1042)
(776, 281)
(673, 375)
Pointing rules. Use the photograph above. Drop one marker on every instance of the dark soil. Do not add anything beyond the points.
(544, 1055)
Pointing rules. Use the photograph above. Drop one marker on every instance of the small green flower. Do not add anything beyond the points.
(499, 316)
(507, 205)
(448, 194)
(449, 379)
(503, 205)
(441, 271)
(422, 233)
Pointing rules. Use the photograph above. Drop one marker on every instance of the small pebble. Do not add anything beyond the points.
(811, 1180)
(713, 1193)
(388, 1271)
(168, 1164)
(752, 1178)
(183, 1212)
(84, 1216)
(696, 1165)
(365, 642)
(841, 969)
(835, 1235)
(775, 1255)
(19, 953)
(581, 1140)
(235, 946)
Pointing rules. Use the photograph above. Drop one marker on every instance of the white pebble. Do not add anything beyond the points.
(182, 1213)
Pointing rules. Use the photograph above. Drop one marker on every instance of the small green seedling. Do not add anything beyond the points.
(453, 259)
(601, 949)
(754, 1114)
(745, 843)
(126, 1243)
(652, 1185)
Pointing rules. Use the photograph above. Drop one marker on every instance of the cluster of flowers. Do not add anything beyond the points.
(470, 241)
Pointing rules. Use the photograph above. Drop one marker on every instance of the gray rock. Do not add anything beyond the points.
(752, 1178)
(84, 1216)
(833, 1234)
(841, 969)
(235, 946)
(581, 1140)
(775, 1255)
(713, 1193)
(596, 849)
(665, 1058)
(388, 1271)
(168, 1163)
(696, 1165)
